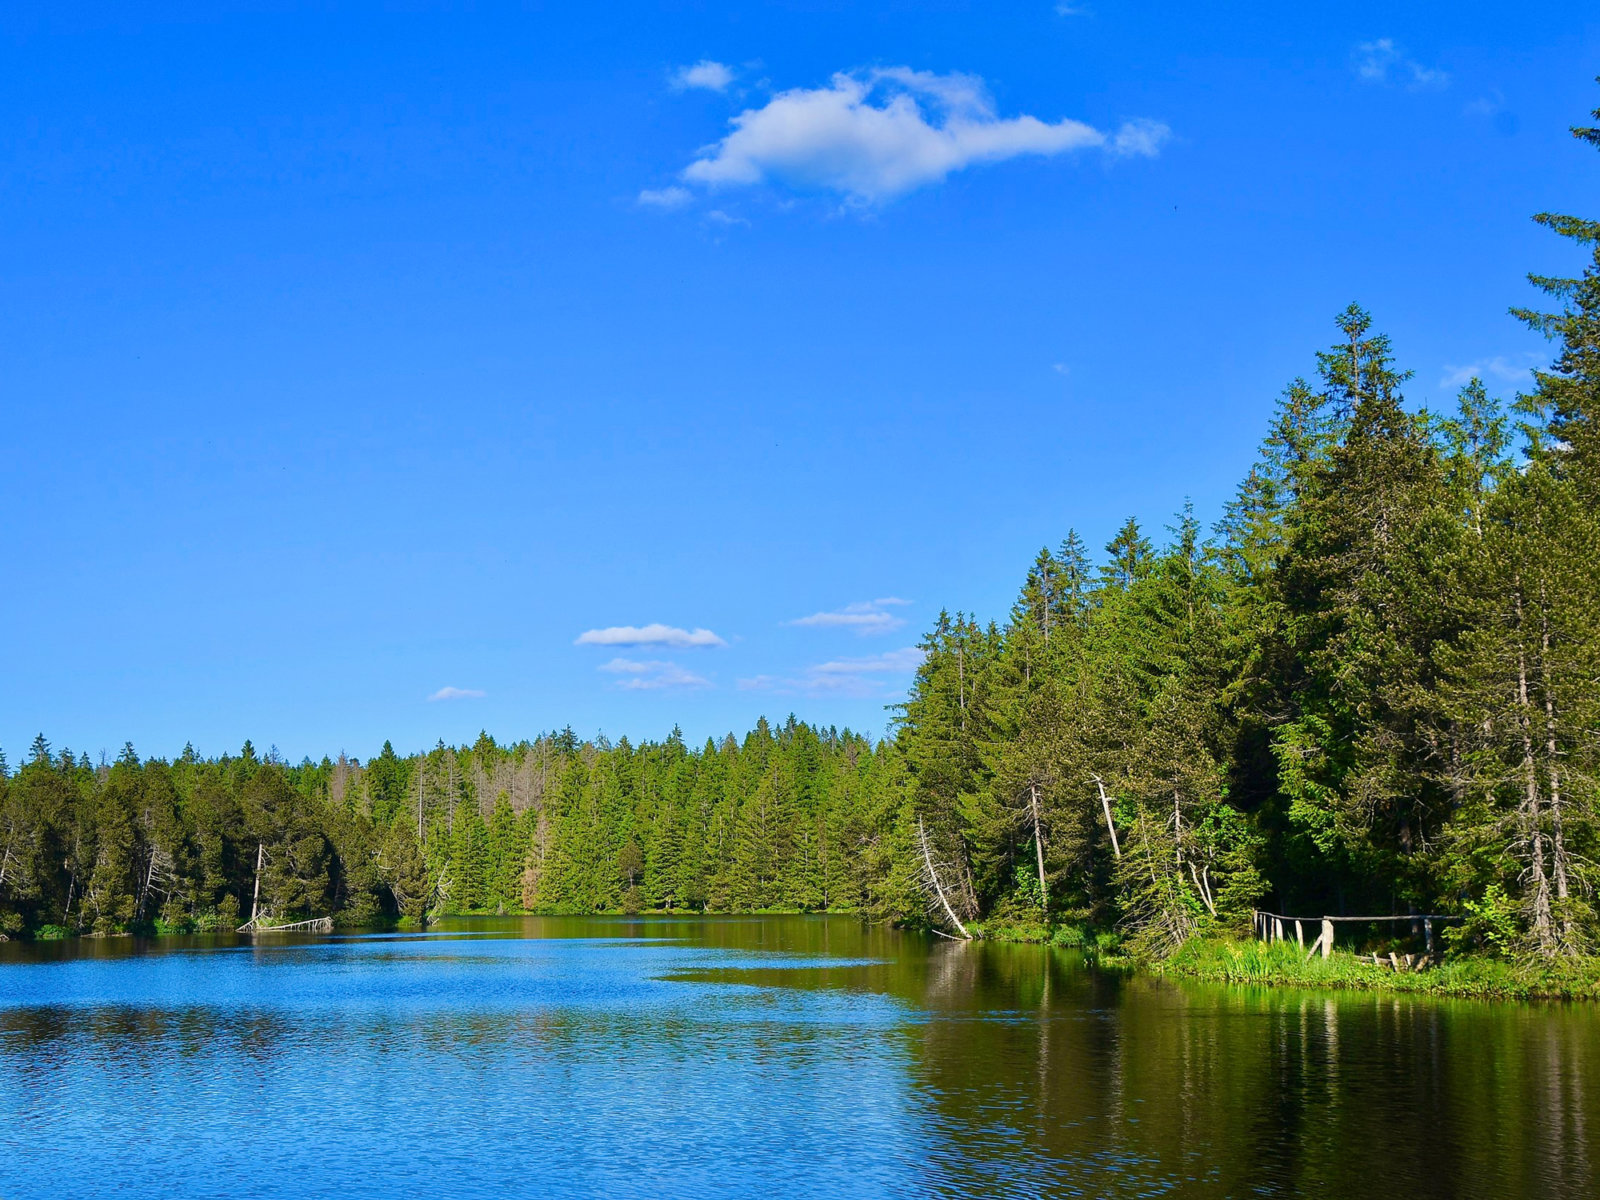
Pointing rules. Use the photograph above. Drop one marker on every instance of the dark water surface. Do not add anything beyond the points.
(781, 1056)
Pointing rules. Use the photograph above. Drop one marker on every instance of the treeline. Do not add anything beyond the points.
(1372, 687)
(1375, 689)
(781, 819)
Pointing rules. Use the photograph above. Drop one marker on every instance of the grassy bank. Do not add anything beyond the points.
(1285, 964)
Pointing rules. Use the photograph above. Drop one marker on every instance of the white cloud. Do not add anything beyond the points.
(874, 135)
(858, 678)
(907, 659)
(866, 617)
(1063, 9)
(653, 675)
(455, 693)
(629, 666)
(706, 74)
(1140, 139)
(718, 217)
(1517, 371)
(648, 635)
(1381, 61)
(667, 197)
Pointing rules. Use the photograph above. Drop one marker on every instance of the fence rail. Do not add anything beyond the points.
(1276, 927)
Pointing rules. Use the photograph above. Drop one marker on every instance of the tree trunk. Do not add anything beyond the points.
(1177, 829)
(255, 900)
(1038, 845)
(1116, 850)
(1553, 752)
(1532, 817)
(933, 878)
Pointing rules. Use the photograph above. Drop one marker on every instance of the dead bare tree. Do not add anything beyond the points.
(1038, 844)
(933, 887)
(1111, 826)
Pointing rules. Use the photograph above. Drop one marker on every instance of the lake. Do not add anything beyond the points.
(754, 1056)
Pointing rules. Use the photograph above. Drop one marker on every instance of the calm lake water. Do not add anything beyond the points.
(761, 1056)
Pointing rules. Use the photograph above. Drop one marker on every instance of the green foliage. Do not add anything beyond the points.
(1372, 689)
(1285, 964)
(791, 818)
(1492, 923)
(405, 873)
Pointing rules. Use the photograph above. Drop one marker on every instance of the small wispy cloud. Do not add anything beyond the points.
(717, 217)
(667, 197)
(908, 658)
(648, 635)
(653, 675)
(1064, 9)
(1141, 138)
(854, 678)
(706, 75)
(865, 617)
(1383, 62)
(1516, 370)
(455, 693)
(1492, 110)
(872, 135)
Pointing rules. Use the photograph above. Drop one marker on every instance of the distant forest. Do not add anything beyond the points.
(1373, 686)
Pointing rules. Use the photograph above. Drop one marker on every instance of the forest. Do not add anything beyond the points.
(1372, 686)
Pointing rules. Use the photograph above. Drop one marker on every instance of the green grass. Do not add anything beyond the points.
(1012, 929)
(1285, 965)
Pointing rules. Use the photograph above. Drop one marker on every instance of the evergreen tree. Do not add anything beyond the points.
(405, 873)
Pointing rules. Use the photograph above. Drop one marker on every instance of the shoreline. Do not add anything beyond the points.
(1284, 964)
(1203, 960)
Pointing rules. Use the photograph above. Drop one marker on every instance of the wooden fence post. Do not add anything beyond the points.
(1299, 934)
(1327, 937)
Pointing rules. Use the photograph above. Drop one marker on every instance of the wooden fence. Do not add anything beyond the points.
(1275, 927)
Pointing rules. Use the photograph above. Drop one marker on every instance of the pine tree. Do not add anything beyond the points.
(292, 847)
(1129, 555)
(1365, 582)
(469, 859)
(1523, 716)
(1567, 399)
(506, 851)
(405, 873)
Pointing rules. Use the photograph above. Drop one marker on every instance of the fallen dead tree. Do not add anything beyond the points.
(934, 889)
(313, 925)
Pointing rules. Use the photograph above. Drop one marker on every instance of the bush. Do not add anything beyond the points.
(1492, 924)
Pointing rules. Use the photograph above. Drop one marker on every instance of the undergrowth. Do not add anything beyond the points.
(1285, 964)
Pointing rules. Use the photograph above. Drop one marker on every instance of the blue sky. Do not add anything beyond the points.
(630, 365)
